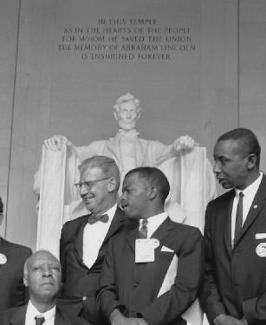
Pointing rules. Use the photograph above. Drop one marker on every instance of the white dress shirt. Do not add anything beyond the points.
(93, 237)
(32, 312)
(153, 223)
(249, 194)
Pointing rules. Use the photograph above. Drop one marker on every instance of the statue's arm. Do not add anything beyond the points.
(179, 146)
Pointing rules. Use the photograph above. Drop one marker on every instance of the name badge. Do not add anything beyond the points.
(144, 249)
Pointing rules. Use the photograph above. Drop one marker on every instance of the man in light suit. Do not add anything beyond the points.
(42, 276)
(12, 258)
(234, 289)
(135, 268)
(83, 240)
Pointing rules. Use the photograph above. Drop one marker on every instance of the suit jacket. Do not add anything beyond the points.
(80, 282)
(16, 316)
(133, 287)
(12, 290)
(235, 278)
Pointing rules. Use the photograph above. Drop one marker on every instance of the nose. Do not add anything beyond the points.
(216, 167)
(128, 114)
(46, 271)
(83, 189)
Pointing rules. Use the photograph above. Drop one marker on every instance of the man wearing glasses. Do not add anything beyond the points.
(83, 240)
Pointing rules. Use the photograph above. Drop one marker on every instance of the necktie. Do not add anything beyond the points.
(94, 218)
(39, 320)
(239, 215)
(143, 230)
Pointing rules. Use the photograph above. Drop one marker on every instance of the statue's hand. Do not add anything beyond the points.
(56, 142)
(184, 143)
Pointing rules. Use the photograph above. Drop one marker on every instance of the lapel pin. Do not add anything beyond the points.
(255, 206)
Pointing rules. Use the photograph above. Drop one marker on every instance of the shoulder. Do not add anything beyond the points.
(8, 314)
(184, 230)
(20, 249)
(66, 318)
(71, 228)
(222, 199)
(75, 222)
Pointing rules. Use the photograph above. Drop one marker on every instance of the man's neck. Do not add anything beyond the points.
(153, 212)
(43, 306)
(251, 179)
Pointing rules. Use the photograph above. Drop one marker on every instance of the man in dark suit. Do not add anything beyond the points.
(234, 289)
(83, 240)
(42, 276)
(12, 258)
(140, 282)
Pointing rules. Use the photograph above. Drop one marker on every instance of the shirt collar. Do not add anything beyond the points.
(154, 222)
(110, 212)
(32, 311)
(252, 188)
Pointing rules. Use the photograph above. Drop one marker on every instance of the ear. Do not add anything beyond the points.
(111, 186)
(115, 112)
(138, 114)
(252, 160)
(152, 192)
(25, 280)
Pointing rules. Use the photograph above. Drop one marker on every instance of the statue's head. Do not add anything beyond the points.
(127, 111)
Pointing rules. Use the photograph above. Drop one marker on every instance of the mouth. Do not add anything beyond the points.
(224, 183)
(124, 207)
(49, 284)
(87, 199)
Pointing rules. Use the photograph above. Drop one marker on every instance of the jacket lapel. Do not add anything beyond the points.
(18, 318)
(78, 244)
(131, 236)
(256, 206)
(227, 222)
(60, 318)
(116, 224)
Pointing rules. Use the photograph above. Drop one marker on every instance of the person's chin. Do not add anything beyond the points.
(225, 184)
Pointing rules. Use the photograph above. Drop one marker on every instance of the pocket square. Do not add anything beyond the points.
(166, 249)
(260, 235)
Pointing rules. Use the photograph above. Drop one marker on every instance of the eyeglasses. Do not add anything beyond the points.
(89, 184)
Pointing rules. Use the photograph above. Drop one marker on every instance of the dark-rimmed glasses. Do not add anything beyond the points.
(89, 184)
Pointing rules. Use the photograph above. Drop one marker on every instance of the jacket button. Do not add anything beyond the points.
(84, 298)
(136, 284)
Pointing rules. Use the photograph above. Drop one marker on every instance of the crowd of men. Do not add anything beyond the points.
(130, 264)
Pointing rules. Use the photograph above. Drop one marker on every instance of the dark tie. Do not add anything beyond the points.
(94, 218)
(239, 216)
(39, 320)
(143, 230)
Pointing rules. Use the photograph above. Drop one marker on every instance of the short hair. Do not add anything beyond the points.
(127, 98)
(107, 165)
(247, 138)
(155, 177)
(31, 257)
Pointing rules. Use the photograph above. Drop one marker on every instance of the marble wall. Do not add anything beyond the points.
(50, 84)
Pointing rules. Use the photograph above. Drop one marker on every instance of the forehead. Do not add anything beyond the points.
(228, 148)
(127, 105)
(43, 258)
(91, 173)
(134, 180)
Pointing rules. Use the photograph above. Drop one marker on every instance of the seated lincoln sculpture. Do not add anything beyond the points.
(183, 162)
